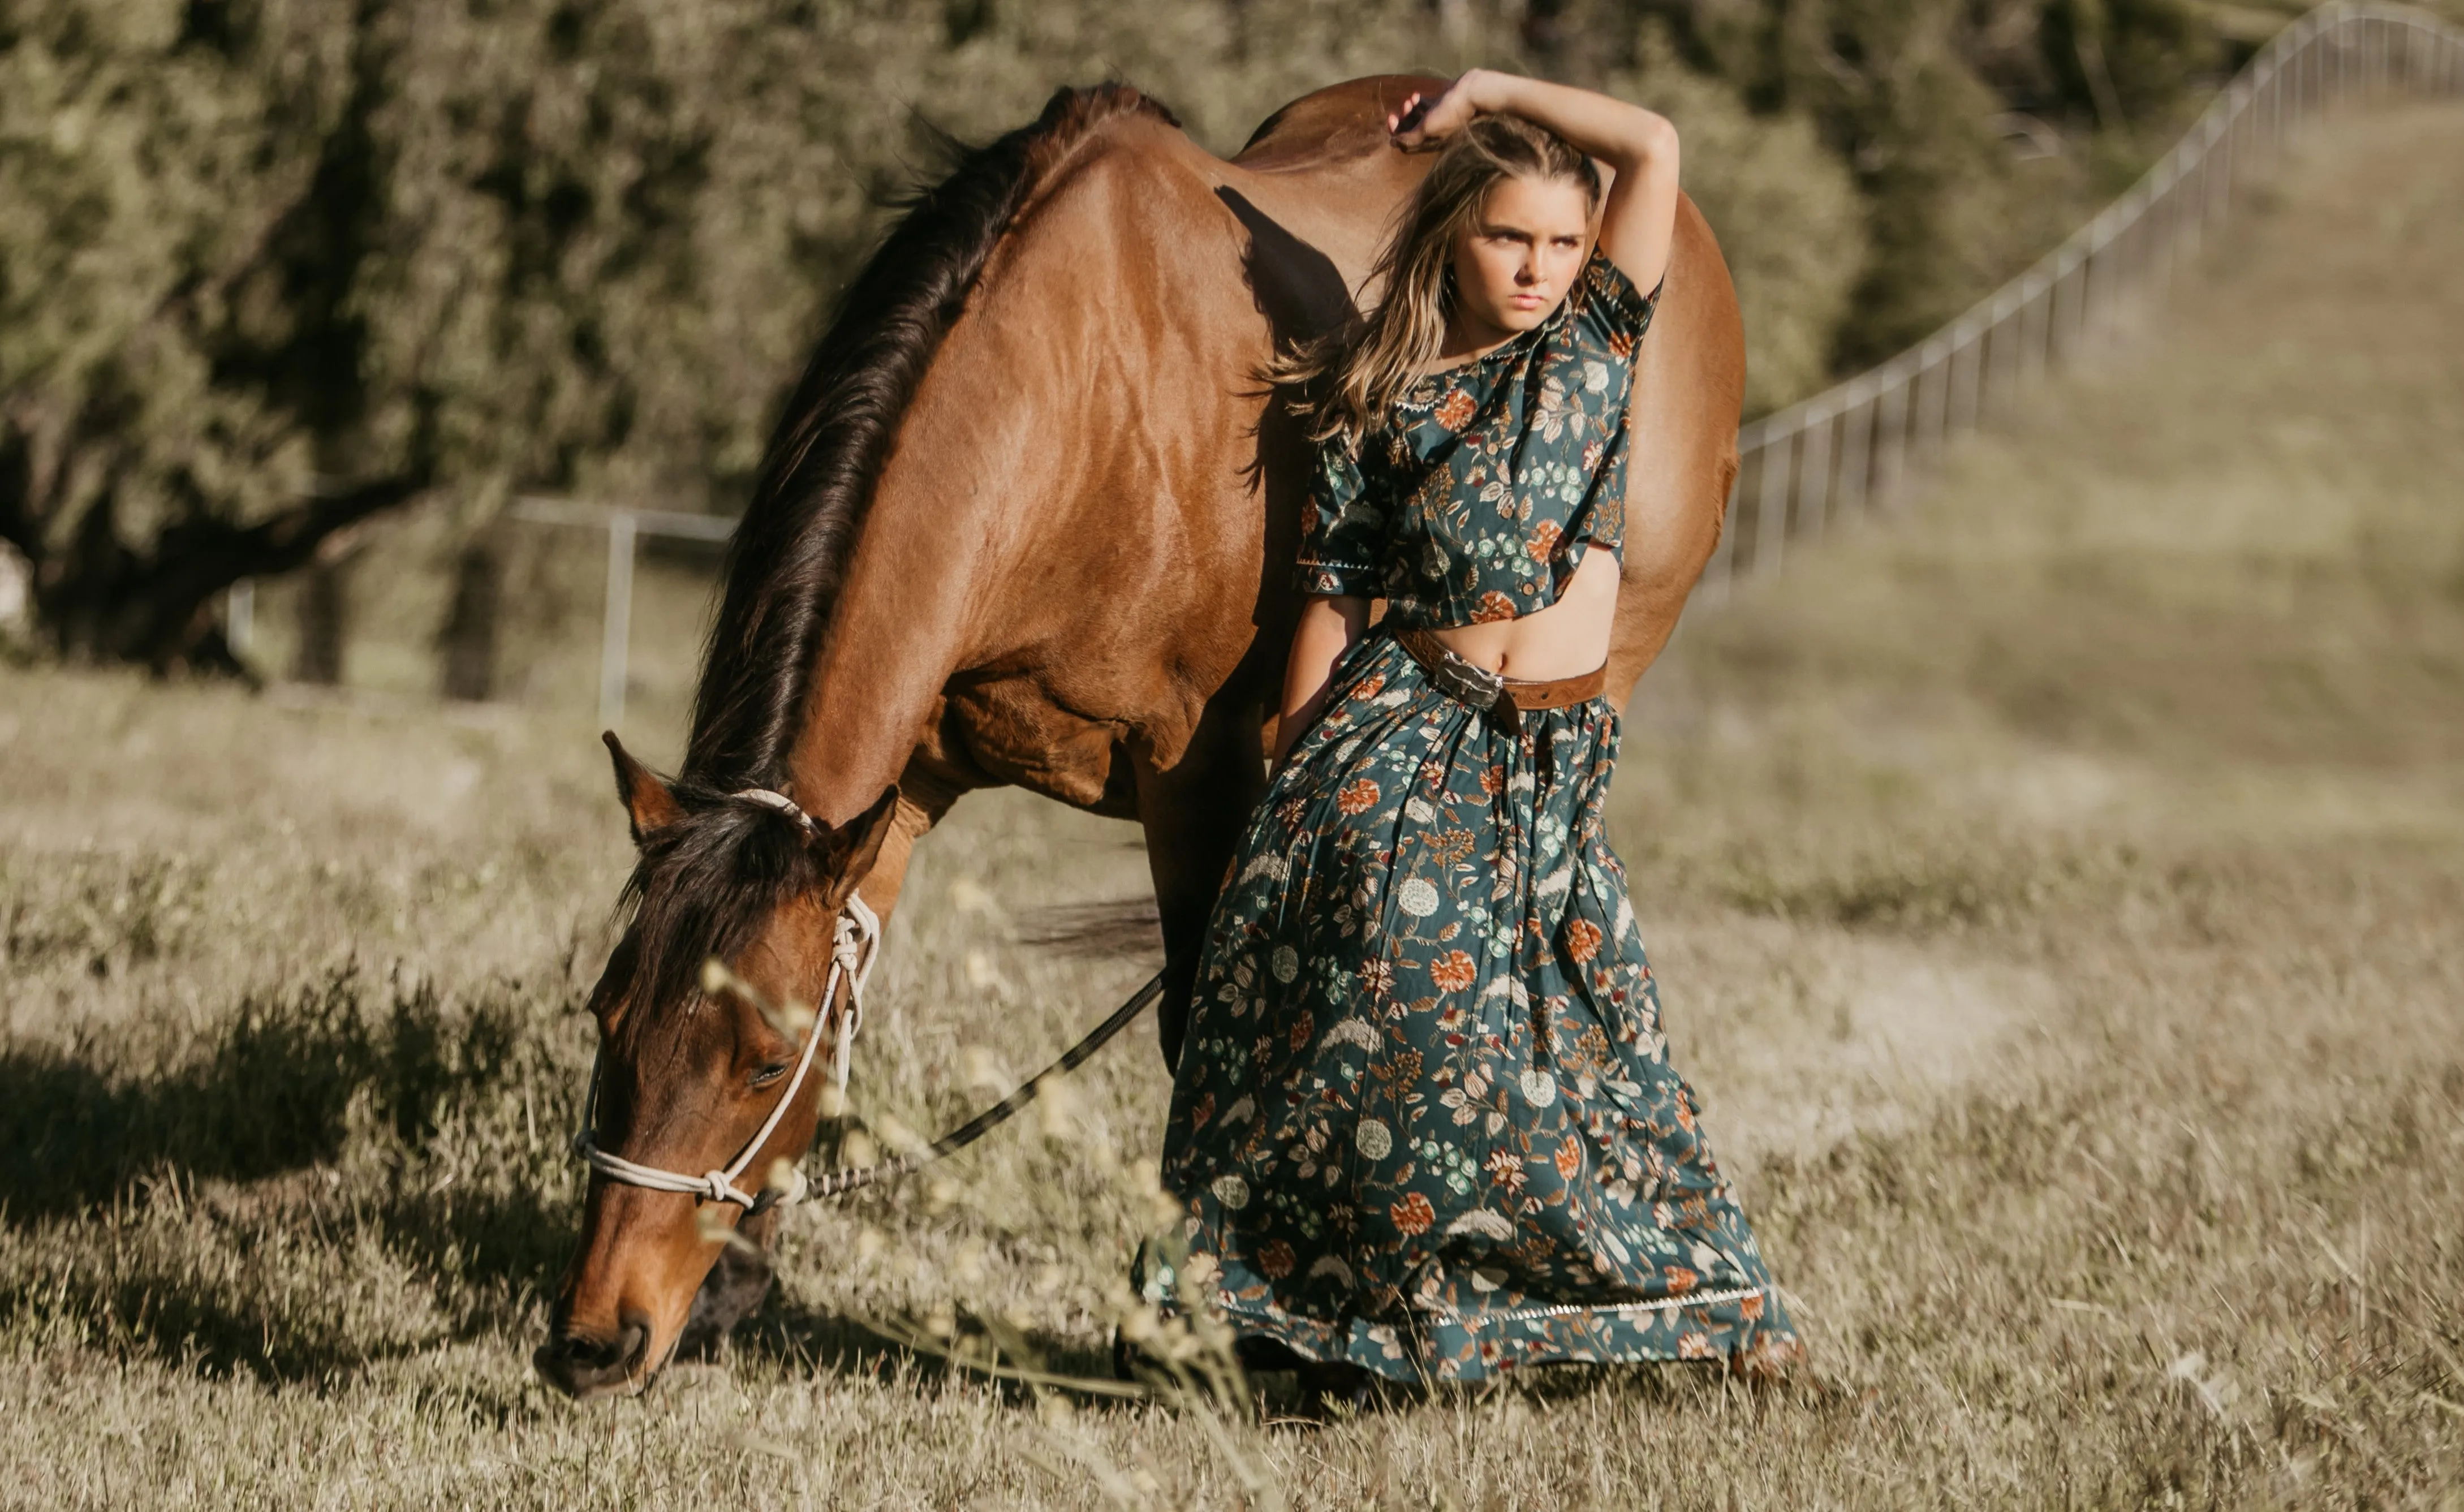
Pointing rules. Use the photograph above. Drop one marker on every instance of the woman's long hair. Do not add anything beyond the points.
(1349, 376)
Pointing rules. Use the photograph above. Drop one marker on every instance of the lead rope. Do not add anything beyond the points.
(839, 1183)
(855, 946)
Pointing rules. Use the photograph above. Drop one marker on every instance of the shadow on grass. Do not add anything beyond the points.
(338, 1173)
(281, 1085)
(796, 1339)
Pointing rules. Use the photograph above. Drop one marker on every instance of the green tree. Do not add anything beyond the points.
(270, 268)
(161, 167)
(1920, 97)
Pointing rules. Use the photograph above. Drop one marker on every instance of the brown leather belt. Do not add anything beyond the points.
(1481, 689)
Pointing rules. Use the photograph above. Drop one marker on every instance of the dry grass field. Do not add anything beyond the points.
(2055, 891)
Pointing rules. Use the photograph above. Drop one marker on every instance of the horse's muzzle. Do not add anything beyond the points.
(584, 1367)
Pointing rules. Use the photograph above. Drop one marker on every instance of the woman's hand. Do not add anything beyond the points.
(1427, 120)
(1327, 627)
(1638, 146)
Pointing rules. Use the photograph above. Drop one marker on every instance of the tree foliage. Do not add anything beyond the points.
(1926, 99)
(270, 266)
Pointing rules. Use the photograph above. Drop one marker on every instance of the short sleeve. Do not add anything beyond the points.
(1343, 528)
(1610, 321)
(1599, 519)
(1613, 312)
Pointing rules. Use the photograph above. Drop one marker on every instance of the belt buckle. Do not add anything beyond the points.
(1484, 690)
(1477, 683)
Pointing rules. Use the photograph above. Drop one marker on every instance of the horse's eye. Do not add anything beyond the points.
(770, 1073)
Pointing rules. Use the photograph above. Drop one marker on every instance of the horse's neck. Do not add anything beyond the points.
(1026, 441)
(918, 600)
(895, 637)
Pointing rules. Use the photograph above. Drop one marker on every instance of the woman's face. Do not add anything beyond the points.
(1519, 254)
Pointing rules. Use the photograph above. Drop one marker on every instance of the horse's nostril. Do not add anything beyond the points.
(579, 1364)
(633, 1342)
(578, 1354)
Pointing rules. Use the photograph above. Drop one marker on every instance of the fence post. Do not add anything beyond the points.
(2132, 285)
(2228, 148)
(2056, 344)
(1899, 410)
(2293, 59)
(2309, 74)
(616, 630)
(1771, 506)
(2343, 88)
(2096, 292)
(2275, 87)
(2216, 176)
(2161, 252)
(2001, 360)
(1958, 380)
(1814, 476)
(1932, 403)
(1721, 569)
(2332, 39)
(1877, 430)
(1855, 454)
(2036, 324)
(239, 618)
(2179, 241)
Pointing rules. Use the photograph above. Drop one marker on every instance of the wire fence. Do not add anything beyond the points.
(1864, 443)
(625, 527)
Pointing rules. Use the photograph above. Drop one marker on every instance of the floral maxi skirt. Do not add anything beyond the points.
(1424, 1120)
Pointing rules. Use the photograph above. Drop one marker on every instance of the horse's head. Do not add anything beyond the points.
(686, 1078)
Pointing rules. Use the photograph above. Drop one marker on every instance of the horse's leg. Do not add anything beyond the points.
(1194, 812)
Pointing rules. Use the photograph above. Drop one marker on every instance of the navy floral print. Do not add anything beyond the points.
(1424, 1120)
(1478, 499)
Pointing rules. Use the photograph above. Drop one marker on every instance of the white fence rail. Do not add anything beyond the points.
(1866, 441)
(624, 527)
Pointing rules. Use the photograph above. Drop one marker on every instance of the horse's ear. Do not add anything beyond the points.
(646, 800)
(856, 845)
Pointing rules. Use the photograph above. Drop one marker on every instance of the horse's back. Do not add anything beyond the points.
(1180, 274)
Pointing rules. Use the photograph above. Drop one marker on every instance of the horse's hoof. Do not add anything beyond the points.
(1336, 1389)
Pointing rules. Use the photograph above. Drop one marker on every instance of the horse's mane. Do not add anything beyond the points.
(705, 880)
(789, 555)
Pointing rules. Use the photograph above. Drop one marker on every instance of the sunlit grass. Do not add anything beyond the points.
(2052, 892)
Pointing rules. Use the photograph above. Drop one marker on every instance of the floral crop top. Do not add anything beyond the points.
(1477, 496)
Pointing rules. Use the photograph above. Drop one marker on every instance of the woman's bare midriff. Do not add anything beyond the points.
(1567, 639)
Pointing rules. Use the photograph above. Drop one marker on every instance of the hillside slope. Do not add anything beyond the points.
(2240, 541)
(2053, 893)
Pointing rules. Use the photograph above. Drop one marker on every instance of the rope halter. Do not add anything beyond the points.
(855, 945)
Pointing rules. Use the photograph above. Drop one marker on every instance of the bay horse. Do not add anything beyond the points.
(1028, 519)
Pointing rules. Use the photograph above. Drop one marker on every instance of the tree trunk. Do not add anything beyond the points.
(97, 599)
(324, 616)
(468, 639)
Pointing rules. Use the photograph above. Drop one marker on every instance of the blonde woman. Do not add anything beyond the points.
(1424, 1124)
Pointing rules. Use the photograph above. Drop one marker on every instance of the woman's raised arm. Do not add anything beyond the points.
(1638, 146)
